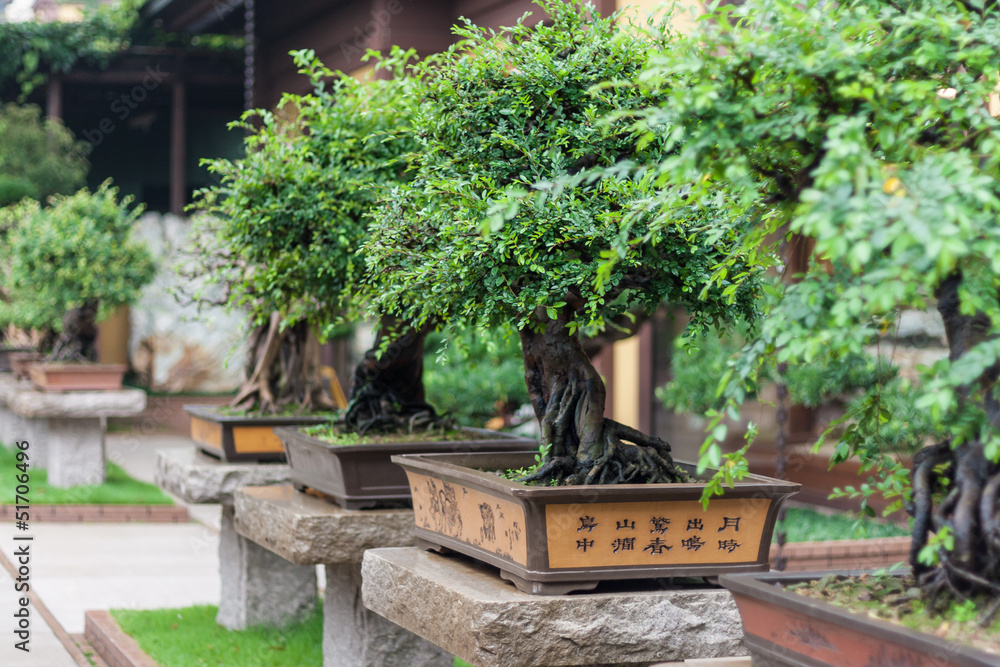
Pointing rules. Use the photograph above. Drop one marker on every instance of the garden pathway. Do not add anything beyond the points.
(76, 567)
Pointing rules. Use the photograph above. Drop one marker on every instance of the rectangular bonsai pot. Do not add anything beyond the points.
(785, 629)
(21, 363)
(6, 364)
(552, 540)
(364, 476)
(241, 439)
(50, 376)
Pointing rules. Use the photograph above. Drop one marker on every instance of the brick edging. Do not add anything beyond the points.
(102, 513)
(111, 643)
(844, 554)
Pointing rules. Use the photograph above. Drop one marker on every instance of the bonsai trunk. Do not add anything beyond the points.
(387, 391)
(568, 397)
(282, 370)
(79, 331)
(968, 504)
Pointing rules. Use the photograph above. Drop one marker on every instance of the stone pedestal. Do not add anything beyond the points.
(65, 429)
(465, 607)
(257, 587)
(307, 530)
(73, 457)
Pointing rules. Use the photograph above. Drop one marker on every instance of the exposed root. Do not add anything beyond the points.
(628, 457)
(970, 484)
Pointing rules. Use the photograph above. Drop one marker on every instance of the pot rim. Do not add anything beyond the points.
(762, 587)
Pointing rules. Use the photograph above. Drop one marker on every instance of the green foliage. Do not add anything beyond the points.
(504, 222)
(190, 636)
(474, 374)
(77, 250)
(30, 50)
(38, 157)
(290, 218)
(807, 525)
(699, 364)
(541, 457)
(863, 125)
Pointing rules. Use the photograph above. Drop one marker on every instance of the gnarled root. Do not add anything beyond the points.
(628, 457)
(379, 410)
(969, 510)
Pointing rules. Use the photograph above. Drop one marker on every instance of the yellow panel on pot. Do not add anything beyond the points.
(490, 523)
(654, 533)
(253, 439)
(206, 433)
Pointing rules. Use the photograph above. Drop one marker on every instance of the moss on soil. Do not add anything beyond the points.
(331, 434)
(898, 600)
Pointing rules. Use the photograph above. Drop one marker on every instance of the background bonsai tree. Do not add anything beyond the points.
(70, 263)
(38, 158)
(292, 218)
(507, 111)
(870, 128)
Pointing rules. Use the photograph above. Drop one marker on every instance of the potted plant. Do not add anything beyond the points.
(38, 158)
(71, 262)
(292, 218)
(871, 129)
(504, 112)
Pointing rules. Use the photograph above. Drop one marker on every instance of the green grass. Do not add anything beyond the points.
(190, 636)
(806, 525)
(119, 489)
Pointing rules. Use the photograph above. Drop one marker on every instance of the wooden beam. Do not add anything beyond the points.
(178, 136)
(54, 97)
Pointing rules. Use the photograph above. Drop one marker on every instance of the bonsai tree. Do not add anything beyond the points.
(285, 237)
(869, 127)
(38, 158)
(503, 112)
(70, 263)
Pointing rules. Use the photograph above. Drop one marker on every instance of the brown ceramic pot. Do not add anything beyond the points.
(784, 629)
(241, 439)
(552, 540)
(364, 476)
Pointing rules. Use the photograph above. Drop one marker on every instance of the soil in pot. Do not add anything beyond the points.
(898, 599)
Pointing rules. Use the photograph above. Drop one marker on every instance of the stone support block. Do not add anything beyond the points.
(200, 479)
(308, 530)
(466, 608)
(75, 451)
(258, 586)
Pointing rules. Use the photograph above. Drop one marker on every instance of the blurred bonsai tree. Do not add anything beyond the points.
(698, 366)
(475, 375)
(70, 263)
(509, 110)
(869, 127)
(38, 157)
(285, 231)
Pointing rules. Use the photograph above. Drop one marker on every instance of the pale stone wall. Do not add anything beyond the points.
(173, 346)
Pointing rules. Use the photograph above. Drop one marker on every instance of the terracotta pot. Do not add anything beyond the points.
(5, 357)
(364, 476)
(21, 362)
(782, 628)
(77, 377)
(552, 540)
(241, 439)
